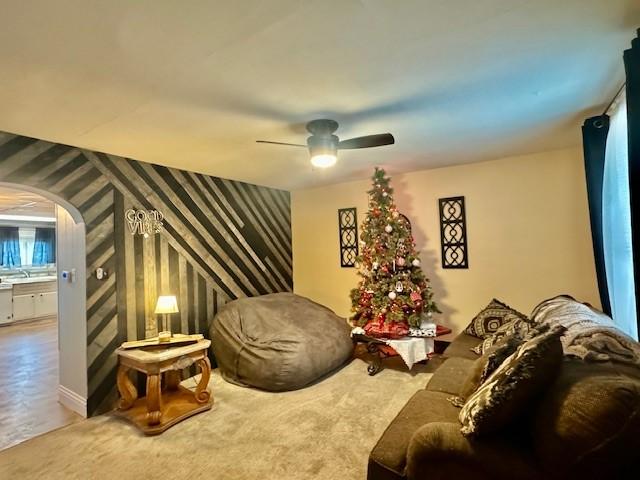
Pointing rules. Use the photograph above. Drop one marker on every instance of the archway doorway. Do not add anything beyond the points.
(42, 313)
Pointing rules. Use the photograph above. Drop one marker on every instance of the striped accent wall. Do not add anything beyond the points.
(222, 240)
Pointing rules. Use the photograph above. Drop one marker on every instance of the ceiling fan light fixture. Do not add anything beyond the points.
(324, 160)
(323, 150)
(323, 145)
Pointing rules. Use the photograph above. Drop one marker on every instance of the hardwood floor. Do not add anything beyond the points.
(29, 383)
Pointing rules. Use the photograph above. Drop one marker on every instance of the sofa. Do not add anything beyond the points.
(585, 424)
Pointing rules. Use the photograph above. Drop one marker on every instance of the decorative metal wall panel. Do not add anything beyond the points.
(220, 240)
(453, 233)
(348, 229)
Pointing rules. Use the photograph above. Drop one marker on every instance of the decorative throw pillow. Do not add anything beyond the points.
(513, 385)
(484, 366)
(514, 325)
(506, 346)
(490, 318)
(498, 354)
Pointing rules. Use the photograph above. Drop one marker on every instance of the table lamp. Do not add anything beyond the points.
(166, 305)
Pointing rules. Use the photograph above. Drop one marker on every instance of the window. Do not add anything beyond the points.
(616, 222)
(27, 238)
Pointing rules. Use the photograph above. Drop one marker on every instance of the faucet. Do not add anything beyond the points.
(26, 274)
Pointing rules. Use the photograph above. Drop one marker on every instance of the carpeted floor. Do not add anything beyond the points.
(325, 431)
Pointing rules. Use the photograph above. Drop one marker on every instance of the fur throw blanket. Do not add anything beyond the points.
(591, 335)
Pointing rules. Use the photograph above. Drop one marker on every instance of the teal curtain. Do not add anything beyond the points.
(44, 246)
(9, 247)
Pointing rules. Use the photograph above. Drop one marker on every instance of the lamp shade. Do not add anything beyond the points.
(167, 304)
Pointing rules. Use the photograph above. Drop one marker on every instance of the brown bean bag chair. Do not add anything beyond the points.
(278, 342)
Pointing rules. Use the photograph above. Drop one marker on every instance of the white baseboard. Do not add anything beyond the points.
(72, 400)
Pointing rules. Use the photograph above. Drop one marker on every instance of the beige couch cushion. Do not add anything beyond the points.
(388, 457)
(592, 416)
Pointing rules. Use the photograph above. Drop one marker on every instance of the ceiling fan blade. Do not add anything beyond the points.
(367, 141)
(281, 143)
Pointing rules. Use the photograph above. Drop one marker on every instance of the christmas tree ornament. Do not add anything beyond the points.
(384, 194)
(399, 287)
(416, 262)
(375, 265)
(392, 295)
(388, 229)
(395, 214)
(415, 296)
(400, 261)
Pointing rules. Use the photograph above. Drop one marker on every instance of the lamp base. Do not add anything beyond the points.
(164, 336)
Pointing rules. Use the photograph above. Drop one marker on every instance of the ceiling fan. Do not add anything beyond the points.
(323, 145)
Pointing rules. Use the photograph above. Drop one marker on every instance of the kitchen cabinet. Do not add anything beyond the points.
(34, 299)
(6, 303)
(46, 304)
(24, 306)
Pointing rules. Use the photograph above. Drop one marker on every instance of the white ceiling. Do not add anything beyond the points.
(20, 202)
(194, 84)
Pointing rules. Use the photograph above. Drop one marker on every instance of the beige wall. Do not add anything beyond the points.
(527, 224)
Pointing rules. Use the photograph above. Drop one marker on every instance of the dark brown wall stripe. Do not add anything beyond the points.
(262, 213)
(222, 224)
(247, 231)
(222, 240)
(188, 198)
(256, 229)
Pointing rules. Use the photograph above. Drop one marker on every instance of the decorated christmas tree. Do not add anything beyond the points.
(393, 293)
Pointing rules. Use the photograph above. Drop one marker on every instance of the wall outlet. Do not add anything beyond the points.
(101, 273)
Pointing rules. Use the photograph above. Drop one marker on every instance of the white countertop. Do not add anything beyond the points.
(13, 281)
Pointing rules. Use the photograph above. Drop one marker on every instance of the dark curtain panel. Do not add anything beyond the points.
(44, 246)
(632, 68)
(594, 142)
(9, 247)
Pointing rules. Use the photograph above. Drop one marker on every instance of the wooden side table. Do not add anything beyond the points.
(167, 402)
